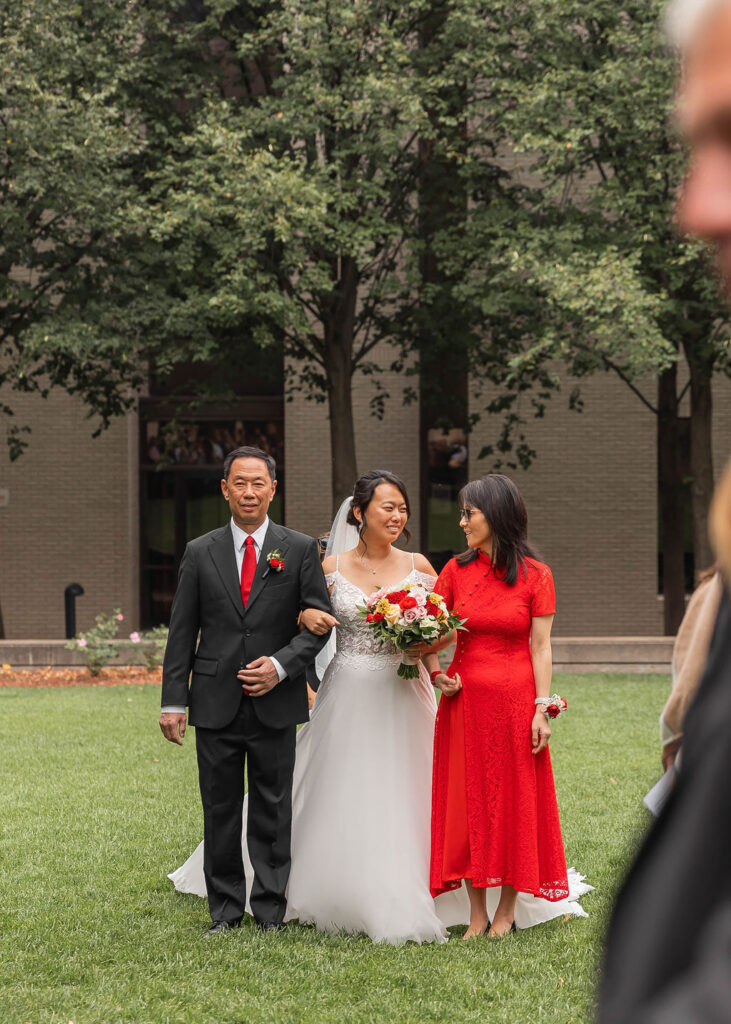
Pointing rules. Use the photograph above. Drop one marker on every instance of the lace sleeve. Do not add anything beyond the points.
(543, 598)
(330, 578)
(425, 578)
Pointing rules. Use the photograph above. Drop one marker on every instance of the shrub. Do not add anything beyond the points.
(98, 645)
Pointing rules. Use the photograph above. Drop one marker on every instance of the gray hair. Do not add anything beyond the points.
(683, 18)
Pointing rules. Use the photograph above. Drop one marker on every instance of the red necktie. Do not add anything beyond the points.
(248, 569)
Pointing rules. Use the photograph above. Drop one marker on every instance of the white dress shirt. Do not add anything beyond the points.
(240, 536)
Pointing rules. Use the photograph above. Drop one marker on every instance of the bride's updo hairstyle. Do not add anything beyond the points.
(500, 502)
(363, 495)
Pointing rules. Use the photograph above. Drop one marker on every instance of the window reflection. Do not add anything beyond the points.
(447, 473)
(181, 464)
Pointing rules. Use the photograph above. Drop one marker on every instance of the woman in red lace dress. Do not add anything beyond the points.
(494, 813)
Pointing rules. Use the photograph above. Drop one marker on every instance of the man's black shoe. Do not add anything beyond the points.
(269, 926)
(222, 926)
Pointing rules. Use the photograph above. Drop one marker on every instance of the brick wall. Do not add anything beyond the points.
(391, 443)
(72, 517)
(73, 511)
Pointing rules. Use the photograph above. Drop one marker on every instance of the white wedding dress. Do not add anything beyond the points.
(361, 806)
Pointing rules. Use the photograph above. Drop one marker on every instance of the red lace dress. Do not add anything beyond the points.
(494, 812)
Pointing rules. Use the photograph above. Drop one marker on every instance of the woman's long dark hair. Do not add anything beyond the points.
(363, 495)
(500, 502)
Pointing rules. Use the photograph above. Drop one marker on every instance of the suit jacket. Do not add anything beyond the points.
(208, 600)
(668, 956)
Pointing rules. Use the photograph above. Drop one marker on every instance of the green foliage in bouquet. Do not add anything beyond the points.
(409, 616)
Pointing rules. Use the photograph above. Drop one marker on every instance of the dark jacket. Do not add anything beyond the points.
(208, 600)
(668, 957)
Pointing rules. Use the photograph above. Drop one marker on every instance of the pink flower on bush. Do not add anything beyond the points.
(81, 642)
(135, 637)
(120, 617)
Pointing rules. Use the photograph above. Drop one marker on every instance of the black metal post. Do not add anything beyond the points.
(72, 591)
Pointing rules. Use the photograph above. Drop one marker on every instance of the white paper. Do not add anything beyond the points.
(657, 797)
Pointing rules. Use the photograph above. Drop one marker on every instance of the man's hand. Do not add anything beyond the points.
(172, 724)
(259, 677)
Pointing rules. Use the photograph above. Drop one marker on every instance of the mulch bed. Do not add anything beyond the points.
(125, 675)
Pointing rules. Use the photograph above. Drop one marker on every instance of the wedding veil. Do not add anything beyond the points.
(343, 537)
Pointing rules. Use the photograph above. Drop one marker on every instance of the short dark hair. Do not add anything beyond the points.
(502, 505)
(363, 494)
(249, 452)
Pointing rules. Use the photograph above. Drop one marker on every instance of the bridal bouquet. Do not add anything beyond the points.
(408, 616)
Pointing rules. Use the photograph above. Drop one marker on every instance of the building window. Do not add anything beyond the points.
(181, 461)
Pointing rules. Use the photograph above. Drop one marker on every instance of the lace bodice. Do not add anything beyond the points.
(354, 640)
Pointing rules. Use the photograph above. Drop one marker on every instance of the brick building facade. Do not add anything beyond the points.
(70, 508)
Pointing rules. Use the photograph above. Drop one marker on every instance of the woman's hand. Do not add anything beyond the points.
(540, 732)
(449, 685)
(316, 621)
(421, 649)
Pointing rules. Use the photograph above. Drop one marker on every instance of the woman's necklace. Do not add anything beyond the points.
(367, 565)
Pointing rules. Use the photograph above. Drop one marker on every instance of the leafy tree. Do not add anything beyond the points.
(587, 90)
(89, 94)
(295, 207)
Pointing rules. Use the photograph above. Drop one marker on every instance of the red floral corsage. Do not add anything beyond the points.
(275, 560)
(552, 706)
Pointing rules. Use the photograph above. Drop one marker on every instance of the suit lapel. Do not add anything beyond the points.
(275, 537)
(224, 558)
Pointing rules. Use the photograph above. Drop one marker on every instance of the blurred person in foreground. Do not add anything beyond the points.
(690, 654)
(668, 956)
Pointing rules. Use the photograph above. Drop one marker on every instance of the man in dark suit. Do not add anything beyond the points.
(242, 588)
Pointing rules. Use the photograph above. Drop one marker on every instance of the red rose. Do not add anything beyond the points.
(552, 711)
(396, 596)
(407, 602)
(378, 617)
(369, 617)
(277, 563)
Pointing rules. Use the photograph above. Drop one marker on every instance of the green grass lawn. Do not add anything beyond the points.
(95, 809)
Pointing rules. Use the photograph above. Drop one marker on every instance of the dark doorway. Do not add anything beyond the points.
(181, 461)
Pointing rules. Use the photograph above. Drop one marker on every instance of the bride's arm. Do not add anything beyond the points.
(313, 619)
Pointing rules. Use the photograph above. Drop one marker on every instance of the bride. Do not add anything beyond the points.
(361, 804)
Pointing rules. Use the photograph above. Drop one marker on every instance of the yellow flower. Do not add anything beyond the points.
(392, 613)
(382, 605)
(436, 599)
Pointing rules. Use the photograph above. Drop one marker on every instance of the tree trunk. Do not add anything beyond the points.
(670, 492)
(2, 627)
(701, 462)
(342, 433)
(339, 371)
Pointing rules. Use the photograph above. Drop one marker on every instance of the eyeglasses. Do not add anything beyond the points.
(466, 513)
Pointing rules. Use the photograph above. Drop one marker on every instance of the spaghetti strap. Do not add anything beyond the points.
(412, 561)
(337, 563)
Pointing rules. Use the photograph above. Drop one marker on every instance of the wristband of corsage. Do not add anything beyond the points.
(433, 675)
(551, 706)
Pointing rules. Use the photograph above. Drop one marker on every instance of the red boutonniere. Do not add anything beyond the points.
(275, 560)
